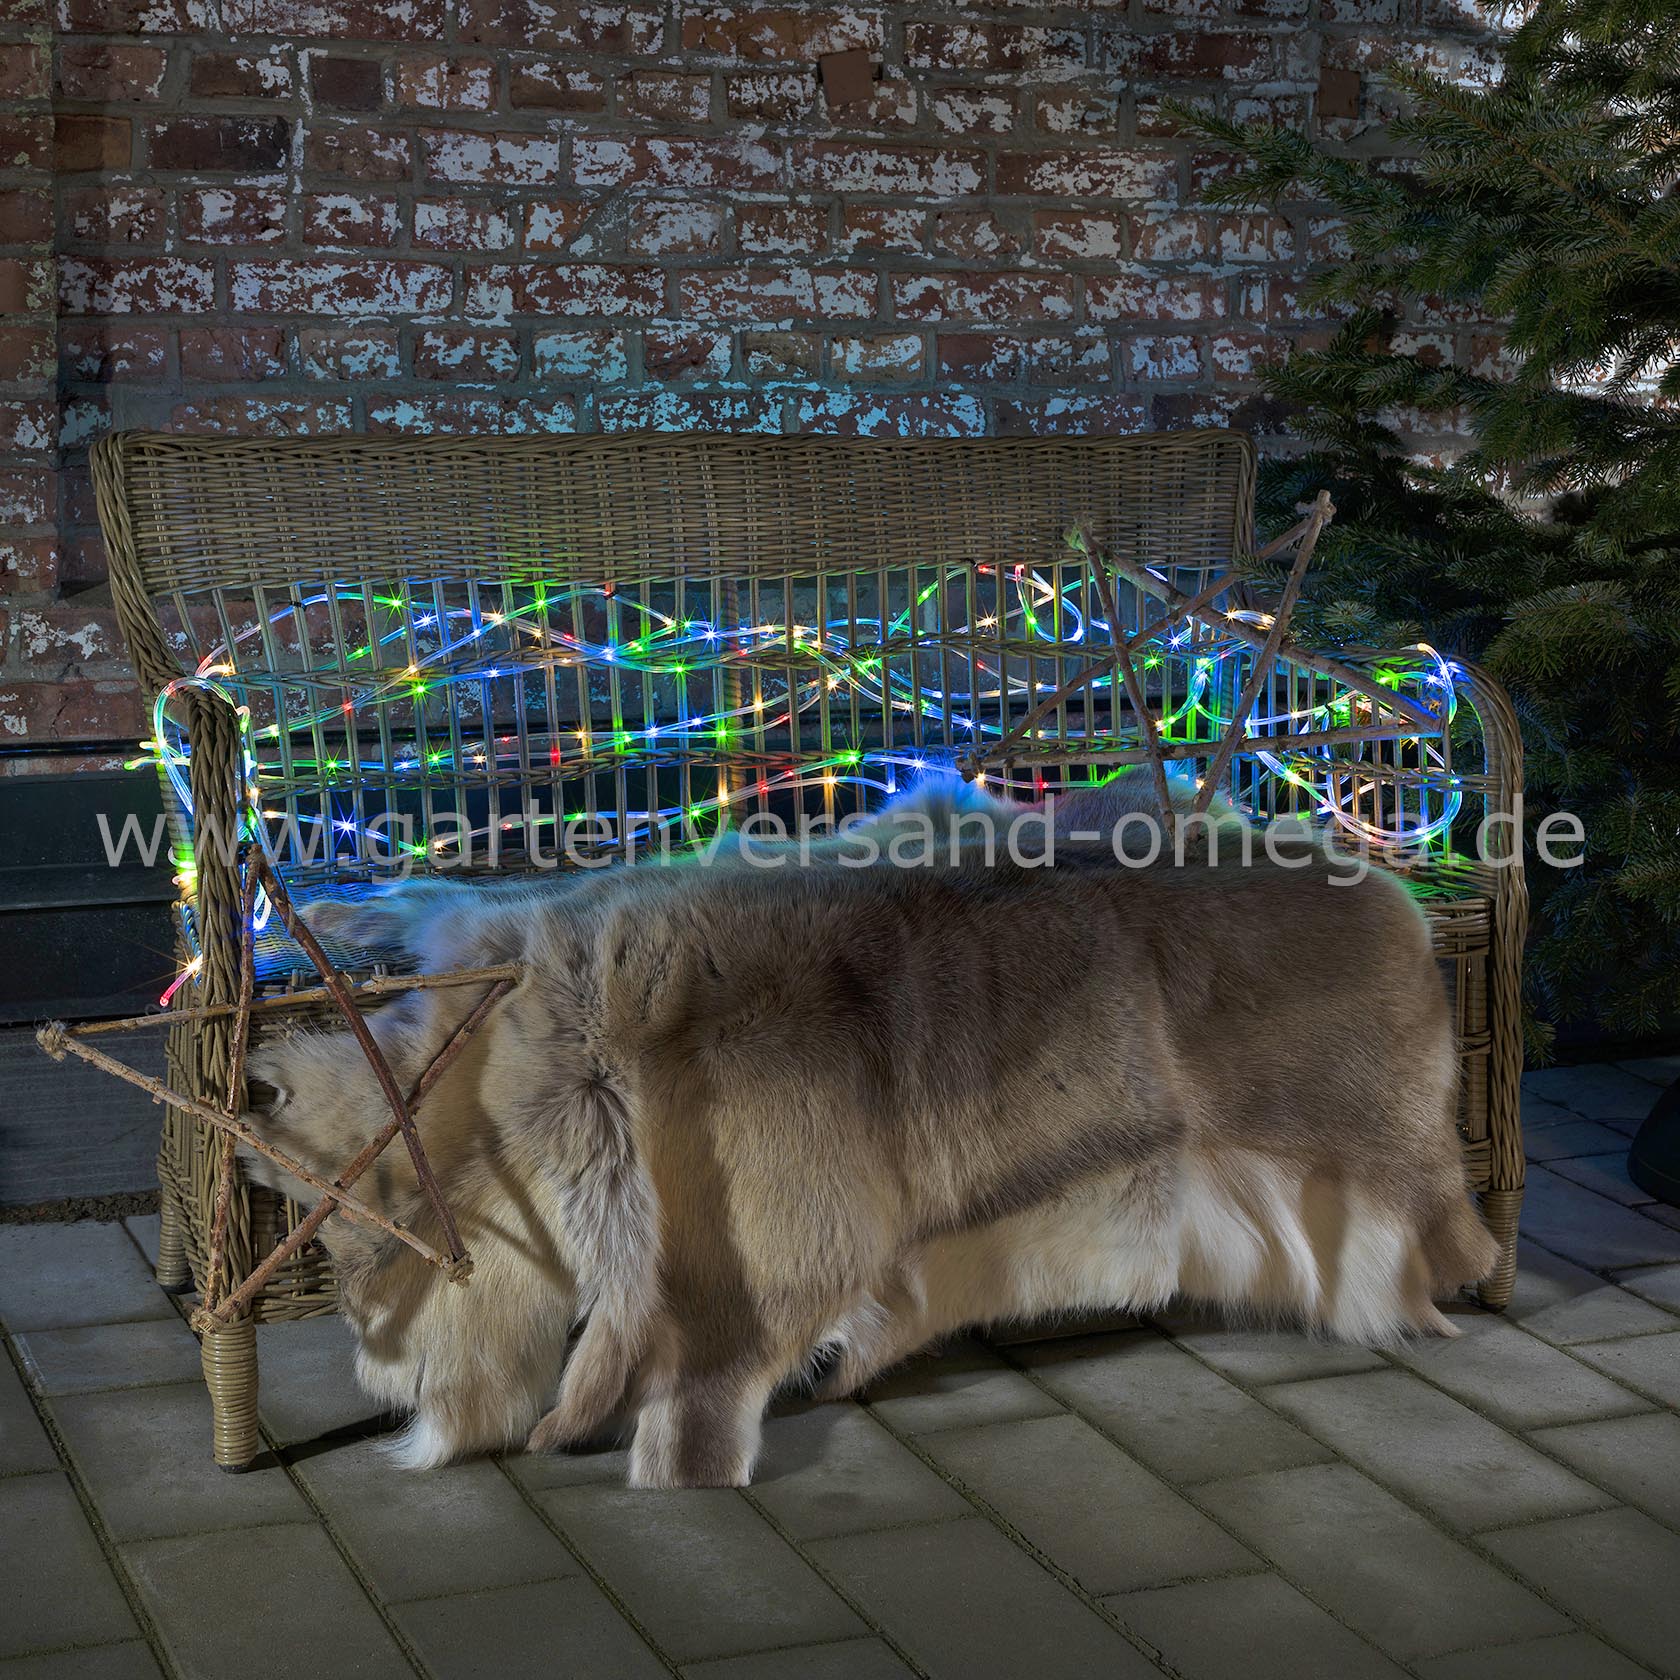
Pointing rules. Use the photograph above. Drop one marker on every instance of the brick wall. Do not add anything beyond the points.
(532, 215)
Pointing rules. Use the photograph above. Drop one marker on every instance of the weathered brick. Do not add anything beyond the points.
(661, 97)
(364, 355)
(233, 215)
(872, 227)
(100, 352)
(26, 216)
(238, 75)
(338, 286)
(662, 229)
(1070, 416)
(507, 159)
(261, 416)
(108, 215)
(26, 496)
(1010, 358)
(982, 297)
(973, 110)
(1090, 113)
(27, 354)
(1137, 294)
(134, 285)
(26, 140)
(233, 352)
(61, 642)
(110, 74)
(200, 143)
(543, 84)
(337, 20)
(585, 354)
(1134, 173)
(352, 220)
(135, 17)
(770, 96)
(564, 289)
(774, 294)
(679, 164)
(82, 142)
(462, 415)
(557, 25)
(28, 565)
(670, 351)
(432, 82)
(872, 356)
(346, 84)
(551, 224)
(357, 151)
(755, 32)
(461, 224)
(975, 236)
(473, 356)
(780, 355)
(781, 230)
(25, 70)
(28, 427)
(82, 711)
(1035, 51)
(873, 415)
(895, 171)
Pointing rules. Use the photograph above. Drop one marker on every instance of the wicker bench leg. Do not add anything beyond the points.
(1500, 1208)
(228, 1354)
(173, 1272)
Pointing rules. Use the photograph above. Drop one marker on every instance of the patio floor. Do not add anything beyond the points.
(1172, 1497)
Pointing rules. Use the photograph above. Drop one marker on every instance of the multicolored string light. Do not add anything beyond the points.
(867, 658)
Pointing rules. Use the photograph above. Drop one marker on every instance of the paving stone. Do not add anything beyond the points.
(1183, 1420)
(1341, 1538)
(1502, 1370)
(537, 1631)
(130, 1661)
(1614, 1569)
(1257, 1626)
(1605, 1173)
(610, 1468)
(1656, 1283)
(963, 1603)
(1574, 1137)
(1538, 1113)
(23, 1442)
(86, 1273)
(58, 1589)
(1088, 1507)
(308, 1387)
(1663, 1213)
(99, 1356)
(700, 1570)
(1257, 1357)
(1660, 1070)
(856, 1659)
(1573, 1656)
(1650, 1364)
(1412, 1437)
(1589, 1229)
(834, 1470)
(144, 1229)
(1594, 1090)
(1564, 1302)
(472, 1527)
(289, 1603)
(967, 1384)
(145, 1456)
(1637, 1458)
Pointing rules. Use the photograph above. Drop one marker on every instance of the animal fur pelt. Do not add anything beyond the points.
(733, 1115)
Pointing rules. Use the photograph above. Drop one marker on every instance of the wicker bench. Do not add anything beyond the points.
(483, 639)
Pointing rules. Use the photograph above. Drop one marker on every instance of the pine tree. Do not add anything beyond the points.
(1549, 550)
